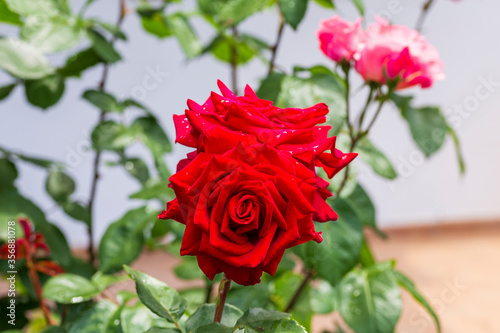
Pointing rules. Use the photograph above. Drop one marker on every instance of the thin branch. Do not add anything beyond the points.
(234, 60)
(423, 15)
(307, 278)
(274, 48)
(346, 69)
(383, 99)
(97, 157)
(367, 104)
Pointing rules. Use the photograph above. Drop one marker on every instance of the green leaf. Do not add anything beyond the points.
(293, 11)
(257, 320)
(77, 211)
(95, 319)
(129, 102)
(6, 90)
(69, 289)
(163, 330)
(428, 128)
(136, 319)
(36, 161)
(123, 296)
(376, 159)
(370, 300)
(112, 28)
(318, 88)
(37, 7)
(342, 240)
(110, 135)
(185, 34)
(8, 16)
(103, 47)
(281, 297)
(23, 60)
(102, 100)
(410, 287)
(270, 87)
(213, 328)
(323, 298)
(45, 92)
(325, 3)
(195, 298)
(127, 230)
(152, 135)
(9, 174)
(364, 208)
(157, 296)
(458, 150)
(247, 297)
(156, 24)
(205, 316)
(50, 329)
(154, 189)
(360, 6)
(79, 62)
(51, 35)
(231, 12)
(225, 48)
(113, 324)
(136, 168)
(188, 269)
(59, 185)
(104, 281)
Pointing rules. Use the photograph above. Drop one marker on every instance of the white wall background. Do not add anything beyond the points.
(430, 192)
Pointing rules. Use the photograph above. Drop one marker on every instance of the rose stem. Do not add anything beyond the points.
(307, 278)
(221, 300)
(423, 15)
(274, 48)
(97, 158)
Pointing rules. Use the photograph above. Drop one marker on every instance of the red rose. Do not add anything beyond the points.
(254, 120)
(243, 208)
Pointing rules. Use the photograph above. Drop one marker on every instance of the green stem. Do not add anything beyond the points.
(224, 286)
(346, 67)
(383, 99)
(367, 104)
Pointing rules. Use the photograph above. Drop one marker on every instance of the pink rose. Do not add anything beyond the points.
(339, 39)
(397, 51)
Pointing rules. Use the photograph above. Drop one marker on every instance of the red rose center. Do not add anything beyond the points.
(244, 211)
